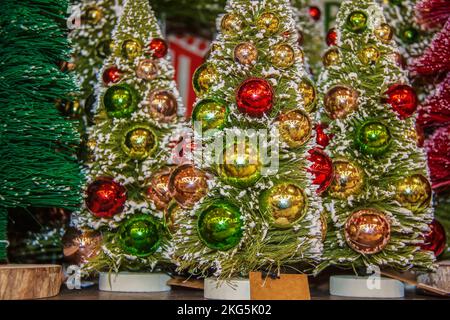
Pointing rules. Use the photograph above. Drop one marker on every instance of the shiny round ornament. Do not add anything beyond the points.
(120, 100)
(348, 179)
(131, 49)
(147, 69)
(308, 93)
(212, 114)
(269, 22)
(283, 56)
(71, 109)
(140, 235)
(220, 226)
(285, 203)
(357, 21)
(93, 15)
(373, 138)
(435, 240)
(331, 57)
(409, 35)
(105, 197)
(79, 247)
(158, 189)
(384, 33)
(315, 13)
(414, 192)
(367, 231)
(295, 128)
(204, 77)
(240, 169)
(403, 100)
(139, 142)
(340, 100)
(369, 55)
(231, 24)
(331, 38)
(188, 185)
(158, 48)
(172, 214)
(255, 97)
(163, 106)
(104, 48)
(321, 168)
(322, 139)
(245, 53)
(111, 75)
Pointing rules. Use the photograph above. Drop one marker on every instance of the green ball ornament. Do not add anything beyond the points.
(220, 226)
(409, 35)
(357, 21)
(140, 236)
(212, 114)
(120, 101)
(373, 138)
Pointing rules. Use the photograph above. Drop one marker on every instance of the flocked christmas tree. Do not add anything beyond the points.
(136, 114)
(434, 113)
(250, 211)
(379, 200)
(38, 166)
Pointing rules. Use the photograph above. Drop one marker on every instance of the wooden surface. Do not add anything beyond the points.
(286, 287)
(18, 282)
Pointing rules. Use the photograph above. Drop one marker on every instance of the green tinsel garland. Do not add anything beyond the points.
(37, 145)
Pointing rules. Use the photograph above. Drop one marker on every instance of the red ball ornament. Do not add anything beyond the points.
(111, 75)
(403, 100)
(332, 37)
(105, 197)
(322, 139)
(435, 240)
(314, 12)
(158, 48)
(255, 97)
(321, 168)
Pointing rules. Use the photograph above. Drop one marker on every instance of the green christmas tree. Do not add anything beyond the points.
(379, 201)
(136, 115)
(255, 205)
(38, 167)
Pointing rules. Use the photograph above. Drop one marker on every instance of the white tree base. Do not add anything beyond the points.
(366, 287)
(133, 282)
(230, 289)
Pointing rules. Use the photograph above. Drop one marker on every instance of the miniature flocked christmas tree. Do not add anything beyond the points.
(38, 166)
(90, 35)
(253, 212)
(434, 113)
(379, 200)
(136, 113)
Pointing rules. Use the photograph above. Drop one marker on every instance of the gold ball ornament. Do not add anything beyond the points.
(285, 203)
(308, 93)
(295, 128)
(163, 106)
(331, 57)
(204, 77)
(246, 53)
(139, 142)
(240, 166)
(131, 49)
(369, 55)
(147, 69)
(93, 15)
(414, 192)
(348, 179)
(340, 100)
(283, 56)
(158, 189)
(231, 24)
(79, 247)
(367, 231)
(384, 33)
(187, 185)
(269, 22)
